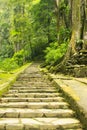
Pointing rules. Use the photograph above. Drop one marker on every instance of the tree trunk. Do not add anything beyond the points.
(57, 13)
(76, 29)
(76, 24)
(76, 32)
(85, 23)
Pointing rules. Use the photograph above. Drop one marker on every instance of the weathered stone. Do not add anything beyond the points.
(2, 126)
(29, 113)
(68, 123)
(14, 127)
(77, 65)
(49, 99)
(33, 91)
(33, 105)
(32, 95)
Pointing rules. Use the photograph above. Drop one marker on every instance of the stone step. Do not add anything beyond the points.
(31, 79)
(53, 99)
(31, 76)
(42, 84)
(33, 85)
(33, 91)
(33, 95)
(32, 113)
(32, 88)
(35, 105)
(41, 80)
(39, 124)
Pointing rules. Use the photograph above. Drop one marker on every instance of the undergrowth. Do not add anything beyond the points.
(55, 52)
(9, 64)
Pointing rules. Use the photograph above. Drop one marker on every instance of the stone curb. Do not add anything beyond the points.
(71, 97)
(81, 80)
(68, 93)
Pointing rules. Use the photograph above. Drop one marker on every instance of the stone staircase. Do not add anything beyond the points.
(33, 103)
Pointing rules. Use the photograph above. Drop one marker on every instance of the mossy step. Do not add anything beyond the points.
(31, 76)
(53, 99)
(32, 88)
(32, 113)
(42, 84)
(39, 124)
(35, 105)
(33, 95)
(30, 79)
(32, 91)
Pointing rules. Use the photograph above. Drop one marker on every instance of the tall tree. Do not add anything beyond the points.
(77, 24)
(62, 11)
(5, 45)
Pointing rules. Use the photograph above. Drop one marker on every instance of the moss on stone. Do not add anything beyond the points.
(7, 79)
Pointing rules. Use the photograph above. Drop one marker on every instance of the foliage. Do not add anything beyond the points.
(55, 52)
(44, 25)
(28, 27)
(8, 64)
(7, 51)
(62, 7)
(64, 12)
(64, 34)
(36, 1)
(18, 57)
(15, 62)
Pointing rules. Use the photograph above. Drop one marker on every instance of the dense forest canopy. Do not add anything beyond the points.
(53, 30)
(25, 21)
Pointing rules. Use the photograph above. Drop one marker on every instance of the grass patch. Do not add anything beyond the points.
(8, 78)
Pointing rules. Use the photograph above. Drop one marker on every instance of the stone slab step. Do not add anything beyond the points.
(39, 124)
(35, 95)
(31, 76)
(32, 113)
(42, 84)
(31, 88)
(35, 105)
(53, 99)
(32, 91)
(30, 79)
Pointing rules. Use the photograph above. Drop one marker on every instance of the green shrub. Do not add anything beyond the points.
(54, 52)
(16, 61)
(8, 64)
(19, 57)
